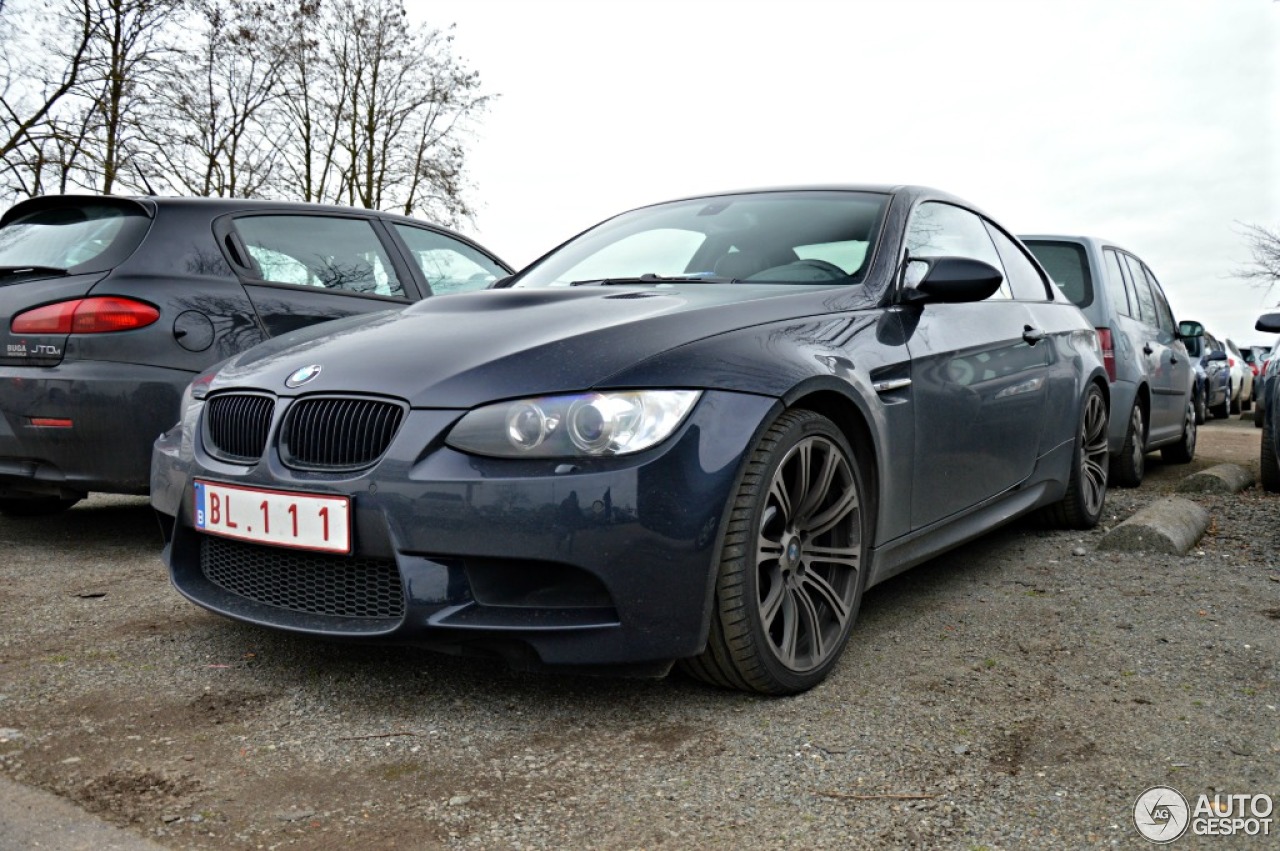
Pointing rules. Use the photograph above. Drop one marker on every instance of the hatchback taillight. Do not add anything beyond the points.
(98, 315)
(1108, 353)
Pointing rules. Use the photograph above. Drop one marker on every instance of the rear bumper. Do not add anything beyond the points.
(115, 412)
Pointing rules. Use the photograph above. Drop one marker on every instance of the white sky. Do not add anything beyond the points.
(1154, 123)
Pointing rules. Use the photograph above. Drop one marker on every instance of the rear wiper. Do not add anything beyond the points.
(651, 278)
(39, 270)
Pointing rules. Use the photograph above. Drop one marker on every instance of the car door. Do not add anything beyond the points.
(978, 378)
(1168, 365)
(302, 267)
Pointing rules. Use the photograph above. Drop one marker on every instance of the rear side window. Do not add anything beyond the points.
(319, 251)
(1146, 301)
(1117, 289)
(450, 266)
(1024, 278)
(1068, 266)
(86, 237)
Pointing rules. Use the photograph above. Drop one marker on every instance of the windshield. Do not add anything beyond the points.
(802, 237)
(65, 237)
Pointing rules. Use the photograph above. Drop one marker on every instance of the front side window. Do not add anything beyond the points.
(449, 265)
(944, 230)
(319, 251)
(809, 237)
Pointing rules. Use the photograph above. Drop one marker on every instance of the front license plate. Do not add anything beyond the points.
(299, 520)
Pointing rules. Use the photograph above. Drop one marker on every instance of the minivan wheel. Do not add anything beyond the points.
(1130, 465)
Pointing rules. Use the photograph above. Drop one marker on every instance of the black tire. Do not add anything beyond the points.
(1220, 411)
(1184, 451)
(1128, 468)
(1259, 413)
(1245, 404)
(36, 506)
(1081, 506)
(781, 616)
(1268, 467)
(1234, 407)
(1201, 408)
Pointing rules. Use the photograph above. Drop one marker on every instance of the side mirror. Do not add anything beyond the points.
(1187, 330)
(500, 283)
(951, 279)
(1216, 355)
(1269, 322)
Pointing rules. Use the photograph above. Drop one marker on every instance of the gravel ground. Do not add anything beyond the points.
(1017, 693)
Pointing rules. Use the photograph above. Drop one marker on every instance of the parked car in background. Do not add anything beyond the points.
(1267, 370)
(696, 432)
(1212, 390)
(1241, 378)
(112, 304)
(1269, 454)
(1151, 373)
(1254, 356)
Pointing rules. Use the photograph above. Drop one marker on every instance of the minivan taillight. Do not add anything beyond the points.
(97, 315)
(1108, 353)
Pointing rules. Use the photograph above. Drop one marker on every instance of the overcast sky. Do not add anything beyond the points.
(1153, 123)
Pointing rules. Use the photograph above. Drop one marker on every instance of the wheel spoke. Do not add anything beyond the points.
(779, 496)
(801, 464)
(790, 628)
(827, 520)
(845, 557)
(807, 620)
(819, 590)
(767, 549)
(772, 603)
(818, 488)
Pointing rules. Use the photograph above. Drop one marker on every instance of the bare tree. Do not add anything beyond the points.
(1264, 246)
(377, 108)
(208, 129)
(34, 84)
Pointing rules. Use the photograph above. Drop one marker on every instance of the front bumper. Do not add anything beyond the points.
(115, 412)
(591, 563)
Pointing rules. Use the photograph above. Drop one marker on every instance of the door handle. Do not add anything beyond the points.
(1146, 349)
(1032, 335)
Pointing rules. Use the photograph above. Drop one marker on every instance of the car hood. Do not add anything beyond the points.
(462, 350)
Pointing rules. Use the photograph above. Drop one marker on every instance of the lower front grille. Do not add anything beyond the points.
(315, 583)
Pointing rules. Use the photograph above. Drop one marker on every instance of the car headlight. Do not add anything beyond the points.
(582, 425)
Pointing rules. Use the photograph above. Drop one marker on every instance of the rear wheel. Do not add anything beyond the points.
(1184, 450)
(36, 506)
(792, 561)
(1128, 468)
(1081, 506)
(1220, 411)
(1201, 408)
(1268, 467)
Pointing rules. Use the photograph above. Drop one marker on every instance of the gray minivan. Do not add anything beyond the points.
(1151, 373)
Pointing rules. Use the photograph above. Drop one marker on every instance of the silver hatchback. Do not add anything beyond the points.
(1152, 375)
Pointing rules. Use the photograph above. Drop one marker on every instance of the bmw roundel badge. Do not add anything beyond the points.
(302, 376)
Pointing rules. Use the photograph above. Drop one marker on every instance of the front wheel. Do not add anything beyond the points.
(1184, 450)
(1081, 506)
(792, 565)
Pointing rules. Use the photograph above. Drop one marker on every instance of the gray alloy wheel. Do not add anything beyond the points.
(1081, 506)
(1128, 468)
(792, 564)
(1184, 451)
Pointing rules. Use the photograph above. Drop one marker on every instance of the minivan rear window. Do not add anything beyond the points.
(81, 237)
(1068, 266)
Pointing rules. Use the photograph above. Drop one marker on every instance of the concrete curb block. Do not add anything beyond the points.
(1171, 525)
(1223, 478)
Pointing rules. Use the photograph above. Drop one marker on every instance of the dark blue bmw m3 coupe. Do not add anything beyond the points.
(695, 434)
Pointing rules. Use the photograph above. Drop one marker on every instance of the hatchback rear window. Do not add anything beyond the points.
(81, 237)
(1068, 266)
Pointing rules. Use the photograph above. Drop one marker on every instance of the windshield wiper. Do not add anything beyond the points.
(39, 270)
(651, 278)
